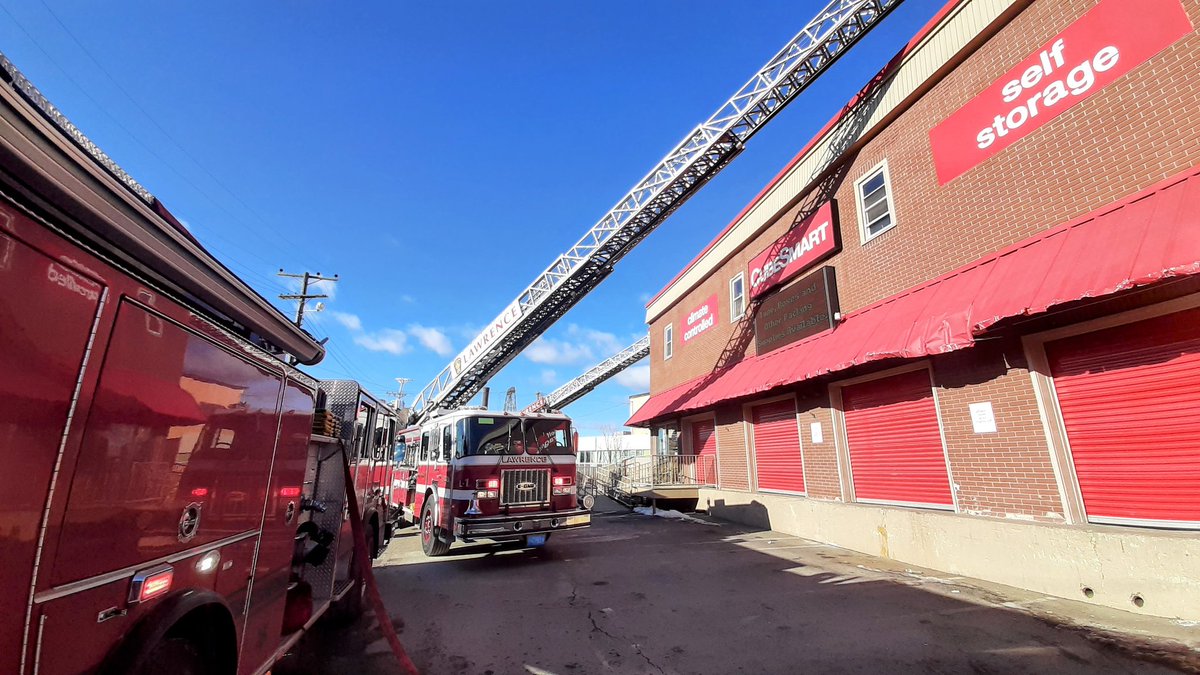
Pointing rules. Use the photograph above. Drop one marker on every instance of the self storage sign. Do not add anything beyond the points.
(1113, 38)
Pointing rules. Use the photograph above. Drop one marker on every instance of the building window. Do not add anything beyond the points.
(737, 296)
(873, 193)
(668, 341)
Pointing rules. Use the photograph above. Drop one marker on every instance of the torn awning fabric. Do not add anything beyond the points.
(1151, 236)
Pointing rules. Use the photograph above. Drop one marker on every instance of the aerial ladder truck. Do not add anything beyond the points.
(469, 473)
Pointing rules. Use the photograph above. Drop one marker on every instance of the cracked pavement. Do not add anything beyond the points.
(643, 595)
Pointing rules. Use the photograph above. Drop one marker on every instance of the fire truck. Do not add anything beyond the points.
(369, 429)
(474, 474)
(165, 506)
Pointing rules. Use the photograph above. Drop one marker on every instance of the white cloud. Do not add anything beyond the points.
(387, 340)
(350, 321)
(583, 346)
(407, 299)
(549, 377)
(432, 339)
(634, 377)
(557, 352)
(604, 344)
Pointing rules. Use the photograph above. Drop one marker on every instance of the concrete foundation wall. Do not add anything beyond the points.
(1117, 564)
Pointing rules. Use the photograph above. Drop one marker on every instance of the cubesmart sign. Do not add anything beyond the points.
(809, 241)
(1113, 38)
(700, 319)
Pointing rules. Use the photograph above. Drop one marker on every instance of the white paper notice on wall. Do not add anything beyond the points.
(982, 418)
(815, 432)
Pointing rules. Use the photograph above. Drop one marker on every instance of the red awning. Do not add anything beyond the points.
(1148, 237)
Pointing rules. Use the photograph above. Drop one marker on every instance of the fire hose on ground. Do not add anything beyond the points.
(363, 556)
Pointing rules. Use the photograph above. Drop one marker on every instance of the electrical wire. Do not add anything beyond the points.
(163, 161)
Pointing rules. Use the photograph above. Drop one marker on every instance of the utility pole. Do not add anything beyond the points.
(398, 403)
(304, 296)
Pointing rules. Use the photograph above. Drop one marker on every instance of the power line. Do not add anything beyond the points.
(162, 160)
(274, 232)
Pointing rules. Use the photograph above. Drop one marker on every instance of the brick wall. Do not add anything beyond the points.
(1007, 473)
(820, 459)
(1133, 133)
(732, 470)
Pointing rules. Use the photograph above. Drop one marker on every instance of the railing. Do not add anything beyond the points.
(671, 470)
(625, 480)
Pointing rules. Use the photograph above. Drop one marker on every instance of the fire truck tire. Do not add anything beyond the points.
(431, 544)
(176, 656)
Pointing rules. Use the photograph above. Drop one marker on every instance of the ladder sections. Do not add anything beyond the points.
(695, 160)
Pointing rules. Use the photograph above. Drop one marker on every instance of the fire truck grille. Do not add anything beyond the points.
(524, 486)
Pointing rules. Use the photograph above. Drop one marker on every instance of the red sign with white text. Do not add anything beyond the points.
(1113, 38)
(700, 319)
(808, 242)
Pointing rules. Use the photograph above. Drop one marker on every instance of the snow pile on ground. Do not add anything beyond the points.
(674, 515)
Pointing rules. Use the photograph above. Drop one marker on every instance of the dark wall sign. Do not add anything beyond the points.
(805, 308)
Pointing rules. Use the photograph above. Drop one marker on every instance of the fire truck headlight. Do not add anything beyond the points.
(563, 480)
(485, 494)
(564, 490)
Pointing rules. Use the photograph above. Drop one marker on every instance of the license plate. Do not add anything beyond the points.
(535, 540)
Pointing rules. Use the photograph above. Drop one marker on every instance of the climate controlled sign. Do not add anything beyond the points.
(808, 242)
(700, 319)
(1112, 39)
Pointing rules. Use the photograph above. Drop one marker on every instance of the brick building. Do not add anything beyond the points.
(962, 327)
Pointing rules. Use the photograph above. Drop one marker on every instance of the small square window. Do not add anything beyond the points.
(873, 192)
(737, 297)
(668, 341)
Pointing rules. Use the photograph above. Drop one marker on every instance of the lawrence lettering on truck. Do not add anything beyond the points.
(165, 506)
(475, 474)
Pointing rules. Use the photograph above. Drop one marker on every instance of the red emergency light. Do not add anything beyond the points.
(151, 583)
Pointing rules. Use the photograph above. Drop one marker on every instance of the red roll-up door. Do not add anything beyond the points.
(1130, 401)
(704, 446)
(895, 443)
(777, 446)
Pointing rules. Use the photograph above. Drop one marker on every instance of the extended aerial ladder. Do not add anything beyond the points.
(593, 377)
(700, 156)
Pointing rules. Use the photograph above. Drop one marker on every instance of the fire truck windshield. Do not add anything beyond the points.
(547, 437)
(514, 436)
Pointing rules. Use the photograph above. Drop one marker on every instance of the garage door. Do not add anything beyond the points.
(704, 445)
(895, 442)
(777, 446)
(1130, 401)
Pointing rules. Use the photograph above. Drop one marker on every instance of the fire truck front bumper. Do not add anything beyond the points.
(511, 527)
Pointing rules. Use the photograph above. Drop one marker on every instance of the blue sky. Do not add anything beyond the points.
(437, 156)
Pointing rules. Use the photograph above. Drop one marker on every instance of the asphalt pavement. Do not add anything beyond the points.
(643, 594)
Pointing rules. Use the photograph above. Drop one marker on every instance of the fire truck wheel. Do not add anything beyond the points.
(175, 656)
(430, 543)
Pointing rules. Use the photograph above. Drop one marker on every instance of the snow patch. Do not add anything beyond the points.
(674, 515)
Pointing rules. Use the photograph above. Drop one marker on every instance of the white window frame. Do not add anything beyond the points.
(879, 168)
(668, 341)
(740, 276)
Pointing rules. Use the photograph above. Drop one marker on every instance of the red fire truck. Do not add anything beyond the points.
(164, 507)
(369, 429)
(475, 474)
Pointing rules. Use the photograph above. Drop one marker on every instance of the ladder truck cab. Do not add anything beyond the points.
(476, 474)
